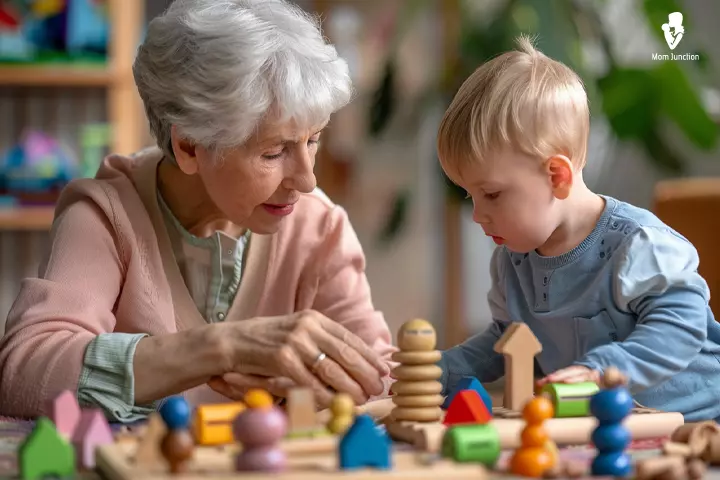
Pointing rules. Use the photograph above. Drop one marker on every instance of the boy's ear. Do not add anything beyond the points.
(185, 154)
(560, 172)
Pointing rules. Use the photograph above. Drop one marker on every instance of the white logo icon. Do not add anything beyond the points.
(673, 29)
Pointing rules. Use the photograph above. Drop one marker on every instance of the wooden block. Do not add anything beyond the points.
(519, 346)
(213, 423)
(45, 452)
(562, 431)
(425, 437)
(467, 407)
(148, 454)
(114, 463)
(300, 411)
(64, 412)
(92, 431)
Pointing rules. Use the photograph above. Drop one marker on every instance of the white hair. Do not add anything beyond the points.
(215, 69)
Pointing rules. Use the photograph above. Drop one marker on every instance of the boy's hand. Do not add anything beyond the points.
(574, 374)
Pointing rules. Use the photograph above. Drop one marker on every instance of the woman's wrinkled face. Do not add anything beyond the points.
(257, 185)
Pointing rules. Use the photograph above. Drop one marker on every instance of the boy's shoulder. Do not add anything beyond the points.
(625, 219)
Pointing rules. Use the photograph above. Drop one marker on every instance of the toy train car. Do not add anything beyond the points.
(570, 399)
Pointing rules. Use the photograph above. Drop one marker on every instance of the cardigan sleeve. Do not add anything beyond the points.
(107, 379)
(57, 315)
(343, 291)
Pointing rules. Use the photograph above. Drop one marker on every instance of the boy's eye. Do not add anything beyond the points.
(492, 196)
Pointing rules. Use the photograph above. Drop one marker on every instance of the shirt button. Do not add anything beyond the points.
(229, 252)
(221, 316)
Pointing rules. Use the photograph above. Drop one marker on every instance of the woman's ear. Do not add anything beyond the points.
(185, 153)
(561, 174)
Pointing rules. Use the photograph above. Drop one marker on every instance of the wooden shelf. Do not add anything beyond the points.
(56, 75)
(26, 218)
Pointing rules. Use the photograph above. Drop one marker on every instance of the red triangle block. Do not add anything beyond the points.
(467, 407)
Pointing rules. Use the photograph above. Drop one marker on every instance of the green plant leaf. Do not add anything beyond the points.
(397, 217)
(383, 103)
(662, 155)
(681, 103)
(629, 102)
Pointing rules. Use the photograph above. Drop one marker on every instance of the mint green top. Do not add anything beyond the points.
(212, 269)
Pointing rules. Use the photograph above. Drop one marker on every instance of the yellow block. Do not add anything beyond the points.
(213, 423)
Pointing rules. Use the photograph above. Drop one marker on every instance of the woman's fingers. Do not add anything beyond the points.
(293, 367)
(353, 365)
(236, 385)
(346, 337)
(327, 369)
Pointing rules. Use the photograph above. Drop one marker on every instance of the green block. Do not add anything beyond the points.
(571, 399)
(476, 443)
(45, 453)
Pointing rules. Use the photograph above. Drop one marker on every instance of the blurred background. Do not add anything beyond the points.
(67, 98)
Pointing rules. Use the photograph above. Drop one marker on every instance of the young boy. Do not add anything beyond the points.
(600, 282)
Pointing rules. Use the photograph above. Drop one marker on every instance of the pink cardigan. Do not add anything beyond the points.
(111, 269)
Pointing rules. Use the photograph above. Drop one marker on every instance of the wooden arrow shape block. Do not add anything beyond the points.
(467, 407)
(519, 346)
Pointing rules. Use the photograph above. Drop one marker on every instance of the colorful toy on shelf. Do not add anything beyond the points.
(53, 30)
(37, 167)
(14, 44)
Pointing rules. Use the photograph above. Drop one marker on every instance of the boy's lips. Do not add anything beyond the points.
(496, 239)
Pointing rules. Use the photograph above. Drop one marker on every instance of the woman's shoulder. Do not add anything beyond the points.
(113, 192)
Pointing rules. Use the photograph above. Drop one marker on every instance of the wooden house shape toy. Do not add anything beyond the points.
(45, 453)
(64, 412)
(91, 432)
(467, 407)
(80, 432)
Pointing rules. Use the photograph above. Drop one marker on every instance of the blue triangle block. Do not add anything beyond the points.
(469, 383)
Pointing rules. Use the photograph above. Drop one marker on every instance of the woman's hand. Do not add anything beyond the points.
(277, 353)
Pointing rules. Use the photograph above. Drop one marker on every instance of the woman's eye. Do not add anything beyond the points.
(492, 196)
(273, 156)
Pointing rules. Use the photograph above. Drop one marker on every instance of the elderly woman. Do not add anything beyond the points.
(211, 264)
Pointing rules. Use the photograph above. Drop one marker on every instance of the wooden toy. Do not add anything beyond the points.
(465, 451)
(147, 453)
(519, 346)
(92, 431)
(300, 409)
(45, 453)
(611, 405)
(467, 407)
(570, 399)
(212, 424)
(479, 443)
(417, 392)
(469, 383)
(64, 412)
(364, 446)
(259, 429)
(177, 444)
(642, 423)
(343, 413)
(532, 458)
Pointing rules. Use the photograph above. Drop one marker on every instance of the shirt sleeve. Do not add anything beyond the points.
(656, 279)
(476, 357)
(107, 380)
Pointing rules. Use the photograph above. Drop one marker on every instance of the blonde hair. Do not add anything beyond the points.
(522, 100)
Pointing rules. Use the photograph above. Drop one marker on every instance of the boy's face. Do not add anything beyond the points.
(513, 199)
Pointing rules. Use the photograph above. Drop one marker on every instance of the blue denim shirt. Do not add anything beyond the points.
(628, 296)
